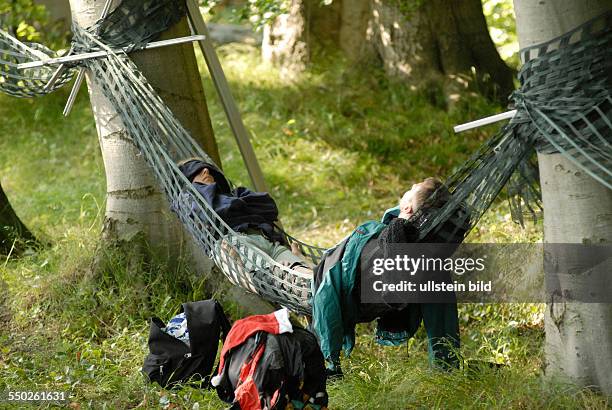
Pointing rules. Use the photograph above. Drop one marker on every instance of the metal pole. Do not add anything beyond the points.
(81, 75)
(484, 121)
(227, 100)
(103, 53)
(60, 70)
(74, 92)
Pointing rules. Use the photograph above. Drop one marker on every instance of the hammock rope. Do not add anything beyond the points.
(564, 105)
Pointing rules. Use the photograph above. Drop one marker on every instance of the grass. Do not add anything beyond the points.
(337, 148)
(347, 151)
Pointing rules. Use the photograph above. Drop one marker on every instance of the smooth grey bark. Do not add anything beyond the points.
(136, 209)
(137, 213)
(577, 209)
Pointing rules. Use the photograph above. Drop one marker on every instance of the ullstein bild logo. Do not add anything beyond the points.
(432, 286)
(441, 273)
(411, 266)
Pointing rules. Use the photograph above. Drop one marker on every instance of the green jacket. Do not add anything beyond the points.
(334, 313)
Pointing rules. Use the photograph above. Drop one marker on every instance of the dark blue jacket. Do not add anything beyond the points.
(240, 207)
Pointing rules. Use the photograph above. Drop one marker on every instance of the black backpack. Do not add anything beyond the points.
(291, 368)
(171, 361)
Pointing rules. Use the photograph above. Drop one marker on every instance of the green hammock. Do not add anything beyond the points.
(564, 105)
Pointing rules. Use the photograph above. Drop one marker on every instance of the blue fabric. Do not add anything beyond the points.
(387, 338)
(243, 209)
(192, 168)
(240, 208)
(390, 214)
(177, 327)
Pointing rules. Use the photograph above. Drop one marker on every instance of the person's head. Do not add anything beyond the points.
(199, 171)
(417, 197)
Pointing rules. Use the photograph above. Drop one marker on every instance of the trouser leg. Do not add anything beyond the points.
(282, 255)
(442, 325)
(285, 257)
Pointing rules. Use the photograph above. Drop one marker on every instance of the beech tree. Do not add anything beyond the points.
(577, 209)
(416, 41)
(137, 216)
(137, 212)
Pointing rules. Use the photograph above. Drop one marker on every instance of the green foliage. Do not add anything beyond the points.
(262, 12)
(30, 22)
(257, 12)
(18, 16)
(502, 27)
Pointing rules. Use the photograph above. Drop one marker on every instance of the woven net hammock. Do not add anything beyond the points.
(564, 105)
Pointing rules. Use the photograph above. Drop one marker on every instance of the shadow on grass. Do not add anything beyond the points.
(340, 143)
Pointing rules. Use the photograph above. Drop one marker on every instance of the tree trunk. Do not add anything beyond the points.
(290, 41)
(577, 209)
(12, 231)
(353, 28)
(137, 212)
(284, 43)
(416, 41)
(436, 40)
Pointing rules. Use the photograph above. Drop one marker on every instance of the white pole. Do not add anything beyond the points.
(97, 54)
(485, 121)
(81, 75)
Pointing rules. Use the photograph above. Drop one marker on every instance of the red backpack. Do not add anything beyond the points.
(266, 363)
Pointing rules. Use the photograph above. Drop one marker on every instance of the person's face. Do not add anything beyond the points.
(407, 206)
(204, 177)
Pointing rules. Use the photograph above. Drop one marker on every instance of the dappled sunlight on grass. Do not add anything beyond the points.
(338, 144)
(51, 167)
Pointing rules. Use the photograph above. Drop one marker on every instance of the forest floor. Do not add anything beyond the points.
(337, 148)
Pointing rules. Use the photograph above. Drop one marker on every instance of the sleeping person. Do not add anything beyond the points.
(337, 306)
(252, 215)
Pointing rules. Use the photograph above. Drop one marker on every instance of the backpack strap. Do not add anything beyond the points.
(246, 392)
(224, 322)
(207, 323)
